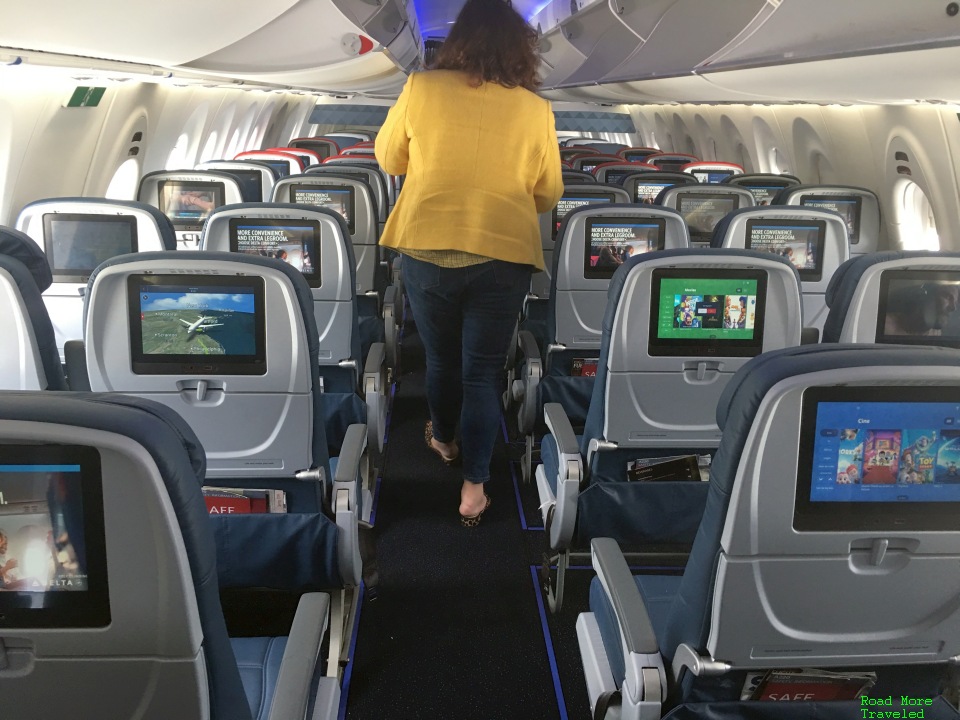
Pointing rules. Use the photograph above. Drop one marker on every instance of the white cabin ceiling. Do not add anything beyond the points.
(597, 51)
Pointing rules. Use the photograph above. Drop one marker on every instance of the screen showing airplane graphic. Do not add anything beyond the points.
(216, 319)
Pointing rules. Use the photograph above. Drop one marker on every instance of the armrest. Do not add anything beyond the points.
(525, 389)
(375, 395)
(636, 631)
(570, 475)
(349, 463)
(559, 426)
(293, 688)
(75, 358)
(346, 503)
(809, 336)
(645, 683)
(375, 363)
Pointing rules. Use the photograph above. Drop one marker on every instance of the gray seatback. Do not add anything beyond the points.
(865, 238)
(267, 179)
(148, 662)
(833, 597)
(835, 250)
(702, 171)
(188, 233)
(333, 301)
(364, 234)
(702, 206)
(657, 401)
(21, 367)
(64, 300)
(361, 161)
(250, 425)
(862, 318)
(579, 302)
(574, 195)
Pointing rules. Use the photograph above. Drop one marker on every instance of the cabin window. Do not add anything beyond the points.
(778, 163)
(177, 159)
(210, 147)
(123, 186)
(914, 214)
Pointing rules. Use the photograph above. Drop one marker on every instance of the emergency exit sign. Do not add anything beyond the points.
(86, 97)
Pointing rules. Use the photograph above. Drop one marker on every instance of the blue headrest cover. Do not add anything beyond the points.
(843, 284)
(21, 246)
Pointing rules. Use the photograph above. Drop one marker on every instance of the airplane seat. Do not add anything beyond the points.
(117, 483)
(559, 365)
(645, 186)
(256, 177)
(678, 324)
(353, 199)
(788, 560)
(377, 182)
(903, 297)
(248, 382)
(606, 148)
(187, 197)
(815, 242)
(315, 241)
(29, 360)
(704, 205)
(764, 186)
(77, 234)
(859, 207)
(578, 176)
(574, 195)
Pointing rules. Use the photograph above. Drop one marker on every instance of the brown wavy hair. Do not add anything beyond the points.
(491, 42)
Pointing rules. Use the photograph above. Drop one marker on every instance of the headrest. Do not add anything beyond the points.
(843, 284)
(742, 396)
(20, 246)
(168, 235)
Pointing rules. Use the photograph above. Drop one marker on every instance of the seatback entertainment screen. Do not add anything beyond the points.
(702, 212)
(799, 241)
(707, 312)
(339, 198)
(611, 241)
(188, 204)
(919, 307)
(207, 324)
(296, 242)
(847, 205)
(76, 244)
(575, 200)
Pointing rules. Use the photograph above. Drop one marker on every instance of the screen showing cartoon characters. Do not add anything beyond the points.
(712, 176)
(886, 452)
(847, 206)
(799, 241)
(296, 242)
(647, 192)
(703, 211)
(919, 307)
(718, 309)
(188, 204)
(572, 202)
(338, 199)
(613, 241)
(76, 243)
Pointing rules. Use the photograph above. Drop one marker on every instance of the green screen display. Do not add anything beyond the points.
(707, 309)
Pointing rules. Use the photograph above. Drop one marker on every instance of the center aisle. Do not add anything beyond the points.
(455, 630)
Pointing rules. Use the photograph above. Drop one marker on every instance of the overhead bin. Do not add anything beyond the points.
(821, 29)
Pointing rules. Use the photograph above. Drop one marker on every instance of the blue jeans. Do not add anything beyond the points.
(466, 317)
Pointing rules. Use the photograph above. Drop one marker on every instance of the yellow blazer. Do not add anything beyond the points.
(480, 162)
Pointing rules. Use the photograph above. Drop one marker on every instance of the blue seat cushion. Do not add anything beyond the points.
(658, 592)
(550, 457)
(259, 661)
